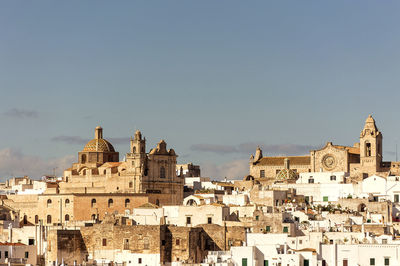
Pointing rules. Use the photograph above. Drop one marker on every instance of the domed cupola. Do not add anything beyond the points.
(98, 150)
(99, 144)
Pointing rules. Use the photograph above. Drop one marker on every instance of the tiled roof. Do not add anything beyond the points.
(353, 150)
(11, 244)
(111, 164)
(294, 160)
(148, 205)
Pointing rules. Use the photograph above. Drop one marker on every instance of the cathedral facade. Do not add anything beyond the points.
(360, 161)
(99, 170)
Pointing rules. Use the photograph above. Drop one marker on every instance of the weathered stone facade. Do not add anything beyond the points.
(361, 160)
(98, 170)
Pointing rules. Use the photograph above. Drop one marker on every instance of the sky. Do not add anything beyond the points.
(214, 79)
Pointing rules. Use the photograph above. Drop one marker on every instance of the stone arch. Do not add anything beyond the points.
(110, 202)
(127, 202)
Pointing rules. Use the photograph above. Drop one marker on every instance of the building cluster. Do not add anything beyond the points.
(337, 206)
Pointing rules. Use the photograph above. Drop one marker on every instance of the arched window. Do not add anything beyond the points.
(110, 203)
(25, 219)
(48, 202)
(84, 172)
(134, 150)
(36, 219)
(49, 219)
(104, 172)
(66, 217)
(157, 202)
(83, 158)
(66, 202)
(93, 216)
(162, 172)
(93, 202)
(368, 149)
(127, 201)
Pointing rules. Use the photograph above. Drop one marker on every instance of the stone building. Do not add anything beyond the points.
(360, 161)
(112, 241)
(99, 170)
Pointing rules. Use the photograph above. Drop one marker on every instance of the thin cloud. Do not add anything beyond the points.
(82, 141)
(15, 163)
(235, 169)
(70, 140)
(250, 147)
(215, 148)
(21, 113)
(119, 140)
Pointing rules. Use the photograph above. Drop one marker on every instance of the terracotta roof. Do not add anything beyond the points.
(305, 249)
(353, 150)
(111, 164)
(148, 205)
(294, 160)
(11, 244)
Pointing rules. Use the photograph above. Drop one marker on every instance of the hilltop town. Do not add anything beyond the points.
(338, 205)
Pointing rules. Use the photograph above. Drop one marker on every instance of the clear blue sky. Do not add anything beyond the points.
(212, 78)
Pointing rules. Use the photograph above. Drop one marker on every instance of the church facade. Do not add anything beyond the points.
(99, 170)
(360, 161)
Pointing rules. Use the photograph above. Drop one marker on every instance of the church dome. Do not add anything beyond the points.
(98, 144)
(286, 174)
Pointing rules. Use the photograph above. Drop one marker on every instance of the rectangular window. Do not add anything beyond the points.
(140, 260)
(333, 177)
(307, 199)
(306, 263)
(311, 181)
(146, 244)
(244, 262)
(325, 198)
(345, 262)
(177, 242)
(268, 228)
(323, 263)
(277, 171)
(257, 217)
(266, 263)
(262, 173)
(31, 242)
(387, 261)
(372, 261)
(209, 220)
(104, 242)
(384, 241)
(5, 254)
(188, 220)
(26, 254)
(396, 197)
(285, 229)
(126, 244)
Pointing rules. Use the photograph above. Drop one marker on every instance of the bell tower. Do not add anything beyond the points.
(138, 145)
(370, 147)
